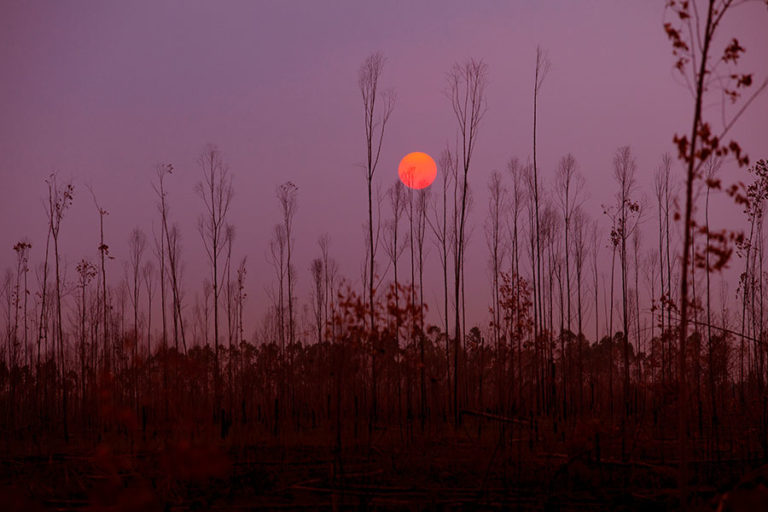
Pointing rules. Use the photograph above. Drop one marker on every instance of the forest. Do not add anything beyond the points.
(621, 362)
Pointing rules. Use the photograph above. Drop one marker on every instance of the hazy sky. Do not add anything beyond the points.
(103, 91)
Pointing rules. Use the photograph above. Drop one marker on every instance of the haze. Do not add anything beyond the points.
(102, 92)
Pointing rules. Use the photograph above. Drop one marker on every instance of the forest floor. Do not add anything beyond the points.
(468, 469)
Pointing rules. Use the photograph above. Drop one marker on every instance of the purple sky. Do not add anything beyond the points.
(103, 91)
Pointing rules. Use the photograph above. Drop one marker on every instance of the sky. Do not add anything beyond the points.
(102, 92)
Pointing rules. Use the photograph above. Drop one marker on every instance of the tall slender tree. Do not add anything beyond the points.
(395, 247)
(466, 92)
(59, 200)
(137, 243)
(216, 192)
(161, 170)
(625, 216)
(148, 275)
(377, 107)
(287, 195)
(497, 248)
(439, 224)
(542, 68)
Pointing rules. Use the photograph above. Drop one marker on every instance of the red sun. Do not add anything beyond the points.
(417, 170)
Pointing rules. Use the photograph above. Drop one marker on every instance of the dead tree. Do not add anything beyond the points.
(216, 192)
(9, 300)
(570, 184)
(580, 249)
(173, 244)
(86, 271)
(439, 224)
(466, 91)
(105, 305)
(595, 238)
(713, 166)
(497, 248)
(42, 327)
(663, 195)
(229, 238)
(518, 198)
(541, 71)
(148, 275)
(14, 340)
(59, 199)
(422, 201)
(277, 258)
(324, 241)
(287, 195)
(395, 247)
(377, 107)
(137, 243)
(625, 217)
(160, 242)
(22, 266)
(316, 268)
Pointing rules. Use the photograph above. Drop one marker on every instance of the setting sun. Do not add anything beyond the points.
(417, 170)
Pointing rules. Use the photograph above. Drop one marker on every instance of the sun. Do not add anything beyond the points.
(417, 170)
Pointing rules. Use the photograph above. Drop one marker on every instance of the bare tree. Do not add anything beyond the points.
(497, 247)
(21, 249)
(549, 241)
(534, 239)
(161, 171)
(377, 107)
(216, 192)
(651, 268)
(14, 339)
(148, 274)
(241, 295)
(570, 184)
(626, 218)
(394, 247)
(439, 223)
(170, 242)
(663, 194)
(86, 272)
(59, 199)
(324, 241)
(466, 91)
(137, 243)
(105, 305)
(229, 238)
(542, 68)
(287, 194)
(580, 249)
(422, 202)
(595, 239)
(9, 300)
(42, 327)
(277, 258)
(517, 202)
(316, 268)
(206, 320)
(713, 166)
(173, 239)
(240, 301)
